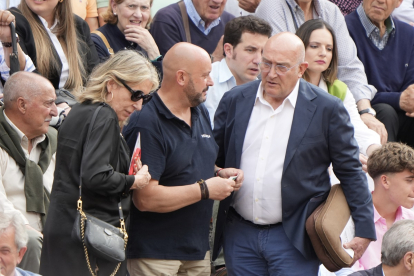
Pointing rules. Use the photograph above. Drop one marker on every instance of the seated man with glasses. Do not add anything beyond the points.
(283, 133)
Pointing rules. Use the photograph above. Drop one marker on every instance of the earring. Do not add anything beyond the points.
(60, 1)
(114, 12)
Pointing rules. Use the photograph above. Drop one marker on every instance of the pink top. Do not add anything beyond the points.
(372, 256)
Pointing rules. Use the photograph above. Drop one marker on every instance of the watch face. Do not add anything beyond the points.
(372, 111)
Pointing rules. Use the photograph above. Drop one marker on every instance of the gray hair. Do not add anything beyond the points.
(14, 220)
(23, 84)
(397, 241)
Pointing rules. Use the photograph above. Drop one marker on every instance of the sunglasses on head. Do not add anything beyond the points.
(137, 94)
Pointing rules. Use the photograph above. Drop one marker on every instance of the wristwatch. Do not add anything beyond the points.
(368, 110)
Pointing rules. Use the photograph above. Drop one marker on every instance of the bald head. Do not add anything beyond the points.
(288, 43)
(283, 65)
(26, 85)
(183, 56)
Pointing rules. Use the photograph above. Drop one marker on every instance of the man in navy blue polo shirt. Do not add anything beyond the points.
(169, 228)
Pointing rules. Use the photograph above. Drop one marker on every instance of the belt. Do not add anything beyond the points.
(233, 212)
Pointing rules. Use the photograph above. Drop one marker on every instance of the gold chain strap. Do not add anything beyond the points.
(83, 218)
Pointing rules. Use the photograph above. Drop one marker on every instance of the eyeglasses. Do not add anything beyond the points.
(137, 94)
(280, 69)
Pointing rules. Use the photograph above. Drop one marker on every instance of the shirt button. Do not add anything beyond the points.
(256, 219)
(267, 137)
(258, 179)
(256, 200)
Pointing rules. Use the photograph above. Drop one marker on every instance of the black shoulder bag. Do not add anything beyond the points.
(100, 238)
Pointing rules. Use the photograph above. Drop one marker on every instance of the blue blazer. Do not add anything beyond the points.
(321, 134)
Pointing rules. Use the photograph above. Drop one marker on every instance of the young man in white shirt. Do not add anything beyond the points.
(244, 39)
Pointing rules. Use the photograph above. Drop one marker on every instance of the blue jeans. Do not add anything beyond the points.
(249, 250)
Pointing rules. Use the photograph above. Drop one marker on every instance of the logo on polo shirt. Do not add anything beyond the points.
(205, 136)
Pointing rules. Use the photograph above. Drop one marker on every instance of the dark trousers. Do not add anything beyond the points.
(253, 251)
(400, 127)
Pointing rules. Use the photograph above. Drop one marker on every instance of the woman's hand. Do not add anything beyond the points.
(143, 38)
(137, 164)
(6, 18)
(142, 178)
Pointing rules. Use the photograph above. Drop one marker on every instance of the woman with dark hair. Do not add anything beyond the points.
(322, 56)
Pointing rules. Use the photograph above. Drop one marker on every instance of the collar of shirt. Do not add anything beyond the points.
(323, 85)
(195, 17)
(224, 71)
(398, 216)
(24, 141)
(369, 26)
(44, 22)
(292, 98)
(318, 7)
(17, 273)
(163, 109)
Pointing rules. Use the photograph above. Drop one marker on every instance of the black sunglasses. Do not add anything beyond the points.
(137, 94)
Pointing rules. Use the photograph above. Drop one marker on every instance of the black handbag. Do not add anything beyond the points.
(99, 238)
(64, 96)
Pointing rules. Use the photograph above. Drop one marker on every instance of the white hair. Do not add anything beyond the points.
(14, 220)
(397, 241)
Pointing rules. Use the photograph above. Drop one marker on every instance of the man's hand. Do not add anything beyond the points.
(359, 245)
(407, 100)
(376, 126)
(218, 53)
(228, 172)
(363, 159)
(220, 188)
(249, 5)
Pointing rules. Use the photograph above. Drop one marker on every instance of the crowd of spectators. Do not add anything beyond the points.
(214, 128)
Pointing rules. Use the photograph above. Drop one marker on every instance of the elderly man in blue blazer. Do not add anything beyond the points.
(284, 133)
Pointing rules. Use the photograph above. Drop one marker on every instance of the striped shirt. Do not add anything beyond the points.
(5, 70)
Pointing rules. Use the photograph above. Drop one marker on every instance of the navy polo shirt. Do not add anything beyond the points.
(176, 155)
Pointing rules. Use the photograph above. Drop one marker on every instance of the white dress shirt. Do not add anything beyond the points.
(223, 81)
(405, 12)
(364, 136)
(260, 198)
(12, 196)
(65, 65)
(232, 6)
(350, 68)
(7, 4)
